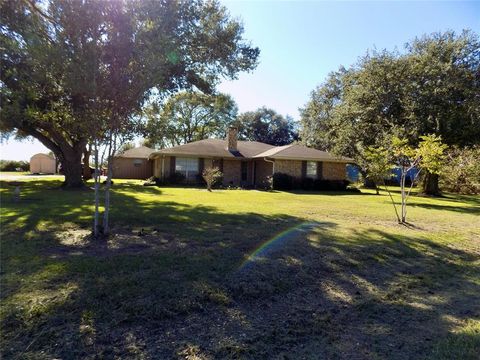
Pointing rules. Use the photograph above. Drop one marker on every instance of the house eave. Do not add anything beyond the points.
(334, 160)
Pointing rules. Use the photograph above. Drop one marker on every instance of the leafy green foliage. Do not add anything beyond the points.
(431, 88)
(266, 126)
(431, 152)
(285, 182)
(461, 171)
(126, 146)
(188, 116)
(429, 156)
(378, 165)
(211, 175)
(74, 71)
(12, 165)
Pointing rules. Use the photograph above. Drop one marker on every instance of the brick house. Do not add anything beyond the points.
(246, 163)
(133, 164)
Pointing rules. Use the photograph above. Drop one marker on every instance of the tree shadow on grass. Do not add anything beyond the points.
(470, 209)
(318, 293)
(327, 193)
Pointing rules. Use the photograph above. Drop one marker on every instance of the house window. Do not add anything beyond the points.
(311, 169)
(244, 170)
(137, 162)
(188, 167)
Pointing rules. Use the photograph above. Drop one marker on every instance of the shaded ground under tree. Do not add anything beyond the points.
(182, 281)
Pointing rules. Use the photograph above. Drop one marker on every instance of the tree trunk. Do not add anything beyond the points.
(70, 155)
(87, 173)
(106, 224)
(96, 225)
(369, 183)
(72, 169)
(430, 185)
(404, 199)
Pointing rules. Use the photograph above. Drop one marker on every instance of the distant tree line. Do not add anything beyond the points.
(13, 165)
(191, 116)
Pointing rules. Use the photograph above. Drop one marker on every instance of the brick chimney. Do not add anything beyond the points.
(232, 138)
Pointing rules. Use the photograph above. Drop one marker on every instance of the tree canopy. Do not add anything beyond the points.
(188, 116)
(266, 125)
(431, 88)
(71, 69)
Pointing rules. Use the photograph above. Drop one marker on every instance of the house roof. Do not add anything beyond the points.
(249, 149)
(300, 152)
(138, 152)
(215, 148)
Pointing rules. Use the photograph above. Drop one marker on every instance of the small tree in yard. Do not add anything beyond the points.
(428, 156)
(211, 175)
(378, 165)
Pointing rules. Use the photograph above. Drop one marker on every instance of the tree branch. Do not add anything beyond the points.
(42, 138)
(393, 202)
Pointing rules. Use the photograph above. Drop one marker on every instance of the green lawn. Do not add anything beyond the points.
(238, 274)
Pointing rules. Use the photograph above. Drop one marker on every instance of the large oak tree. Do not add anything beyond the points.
(431, 88)
(267, 126)
(70, 69)
(188, 116)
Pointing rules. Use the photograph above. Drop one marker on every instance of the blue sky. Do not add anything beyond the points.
(301, 42)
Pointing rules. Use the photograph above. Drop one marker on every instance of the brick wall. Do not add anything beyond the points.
(289, 167)
(334, 171)
(129, 168)
(207, 163)
(263, 169)
(231, 172)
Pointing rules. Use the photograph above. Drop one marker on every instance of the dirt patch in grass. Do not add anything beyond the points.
(77, 241)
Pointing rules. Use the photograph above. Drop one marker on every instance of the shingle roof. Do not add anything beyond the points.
(216, 148)
(300, 152)
(141, 152)
(249, 149)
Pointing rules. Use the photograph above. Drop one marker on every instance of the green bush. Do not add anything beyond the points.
(281, 181)
(176, 178)
(462, 171)
(152, 181)
(12, 165)
(330, 185)
(286, 182)
(212, 176)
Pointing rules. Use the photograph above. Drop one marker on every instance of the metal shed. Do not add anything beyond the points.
(42, 164)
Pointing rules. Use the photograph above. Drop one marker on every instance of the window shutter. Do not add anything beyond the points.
(304, 169)
(319, 170)
(172, 165)
(221, 165)
(201, 166)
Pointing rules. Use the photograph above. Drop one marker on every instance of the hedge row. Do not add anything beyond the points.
(281, 181)
(12, 165)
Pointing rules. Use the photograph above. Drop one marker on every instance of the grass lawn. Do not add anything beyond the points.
(238, 274)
